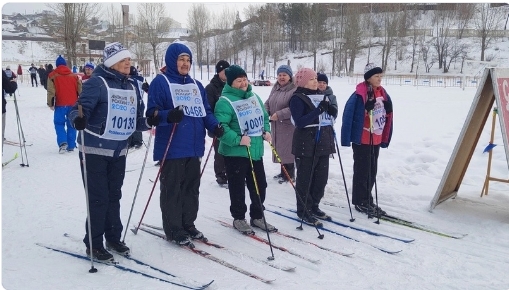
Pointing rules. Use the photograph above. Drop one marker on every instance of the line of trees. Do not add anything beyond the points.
(345, 30)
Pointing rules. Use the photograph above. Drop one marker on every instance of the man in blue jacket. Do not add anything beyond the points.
(179, 143)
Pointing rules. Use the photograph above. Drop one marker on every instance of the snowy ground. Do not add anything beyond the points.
(45, 200)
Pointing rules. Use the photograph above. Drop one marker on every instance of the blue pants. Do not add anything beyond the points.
(61, 121)
(105, 176)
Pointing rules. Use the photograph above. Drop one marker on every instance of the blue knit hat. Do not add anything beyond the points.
(60, 61)
(285, 69)
(89, 65)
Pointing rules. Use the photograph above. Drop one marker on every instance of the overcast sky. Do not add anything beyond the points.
(176, 10)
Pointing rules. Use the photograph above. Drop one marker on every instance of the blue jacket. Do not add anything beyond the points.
(189, 136)
(353, 119)
(94, 100)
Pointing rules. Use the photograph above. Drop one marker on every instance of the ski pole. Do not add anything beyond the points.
(21, 135)
(139, 179)
(342, 171)
(372, 159)
(208, 155)
(320, 235)
(260, 200)
(135, 230)
(89, 225)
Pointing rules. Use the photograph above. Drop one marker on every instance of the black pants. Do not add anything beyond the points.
(219, 167)
(238, 171)
(364, 172)
(33, 77)
(179, 200)
(313, 178)
(105, 176)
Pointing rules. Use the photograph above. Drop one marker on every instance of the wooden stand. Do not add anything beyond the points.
(490, 154)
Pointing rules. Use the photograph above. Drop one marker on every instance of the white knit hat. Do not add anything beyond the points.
(113, 53)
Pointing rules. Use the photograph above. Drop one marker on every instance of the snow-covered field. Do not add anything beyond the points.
(45, 200)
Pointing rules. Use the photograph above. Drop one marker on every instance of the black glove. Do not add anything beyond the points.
(175, 115)
(370, 105)
(145, 87)
(387, 107)
(80, 123)
(323, 106)
(219, 131)
(153, 120)
(332, 111)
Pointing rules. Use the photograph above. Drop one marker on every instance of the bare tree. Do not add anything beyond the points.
(487, 21)
(198, 23)
(353, 33)
(154, 25)
(466, 12)
(73, 18)
(114, 14)
(442, 23)
(390, 24)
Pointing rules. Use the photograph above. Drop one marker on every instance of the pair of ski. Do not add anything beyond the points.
(150, 229)
(413, 225)
(117, 265)
(13, 143)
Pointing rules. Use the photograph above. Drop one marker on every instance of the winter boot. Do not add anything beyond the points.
(118, 247)
(181, 238)
(194, 233)
(221, 179)
(100, 255)
(260, 223)
(243, 227)
(311, 220)
(366, 209)
(63, 148)
(317, 213)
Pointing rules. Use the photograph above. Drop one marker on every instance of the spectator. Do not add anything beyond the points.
(43, 76)
(89, 68)
(278, 108)
(20, 73)
(33, 74)
(12, 81)
(214, 90)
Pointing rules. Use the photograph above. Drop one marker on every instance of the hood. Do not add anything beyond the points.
(63, 70)
(172, 54)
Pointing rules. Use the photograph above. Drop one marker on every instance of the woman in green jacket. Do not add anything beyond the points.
(246, 124)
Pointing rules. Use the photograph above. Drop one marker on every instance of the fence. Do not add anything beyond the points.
(423, 80)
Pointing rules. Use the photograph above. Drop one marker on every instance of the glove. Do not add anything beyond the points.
(332, 111)
(370, 105)
(145, 87)
(175, 115)
(153, 120)
(219, 131)
(323, 106)
(80, 123)
(387, 107)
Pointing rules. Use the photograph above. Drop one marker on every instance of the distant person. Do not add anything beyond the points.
(74, 69)
(43, 76)
(89, 69)
(278, 108)
(214, 90)
(64, 87)
(33, 74)
(6, 87)
(365, 138)
(261, 74)
(11, 76)
(20, 73)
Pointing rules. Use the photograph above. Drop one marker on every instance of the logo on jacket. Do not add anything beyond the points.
(132, 100)
(195, 92)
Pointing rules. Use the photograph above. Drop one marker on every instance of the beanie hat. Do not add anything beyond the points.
(221, 65)
(323, 78)
(89, 65)
(233, 72)
(285, 69)
(370, 70)
(60, 61)
(303, 76)
(8, 67)
(113, 53)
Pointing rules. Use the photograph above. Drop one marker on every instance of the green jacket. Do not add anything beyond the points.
(230, 141)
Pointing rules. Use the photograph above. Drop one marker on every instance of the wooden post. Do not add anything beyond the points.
(490, 154)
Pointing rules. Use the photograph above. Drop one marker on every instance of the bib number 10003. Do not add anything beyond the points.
(123, 123)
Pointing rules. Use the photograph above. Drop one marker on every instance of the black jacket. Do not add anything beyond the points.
(304, 113)
(214, 90)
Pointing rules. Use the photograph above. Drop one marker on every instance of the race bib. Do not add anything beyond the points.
(249, 114)
(325, 118)
(189, 97)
